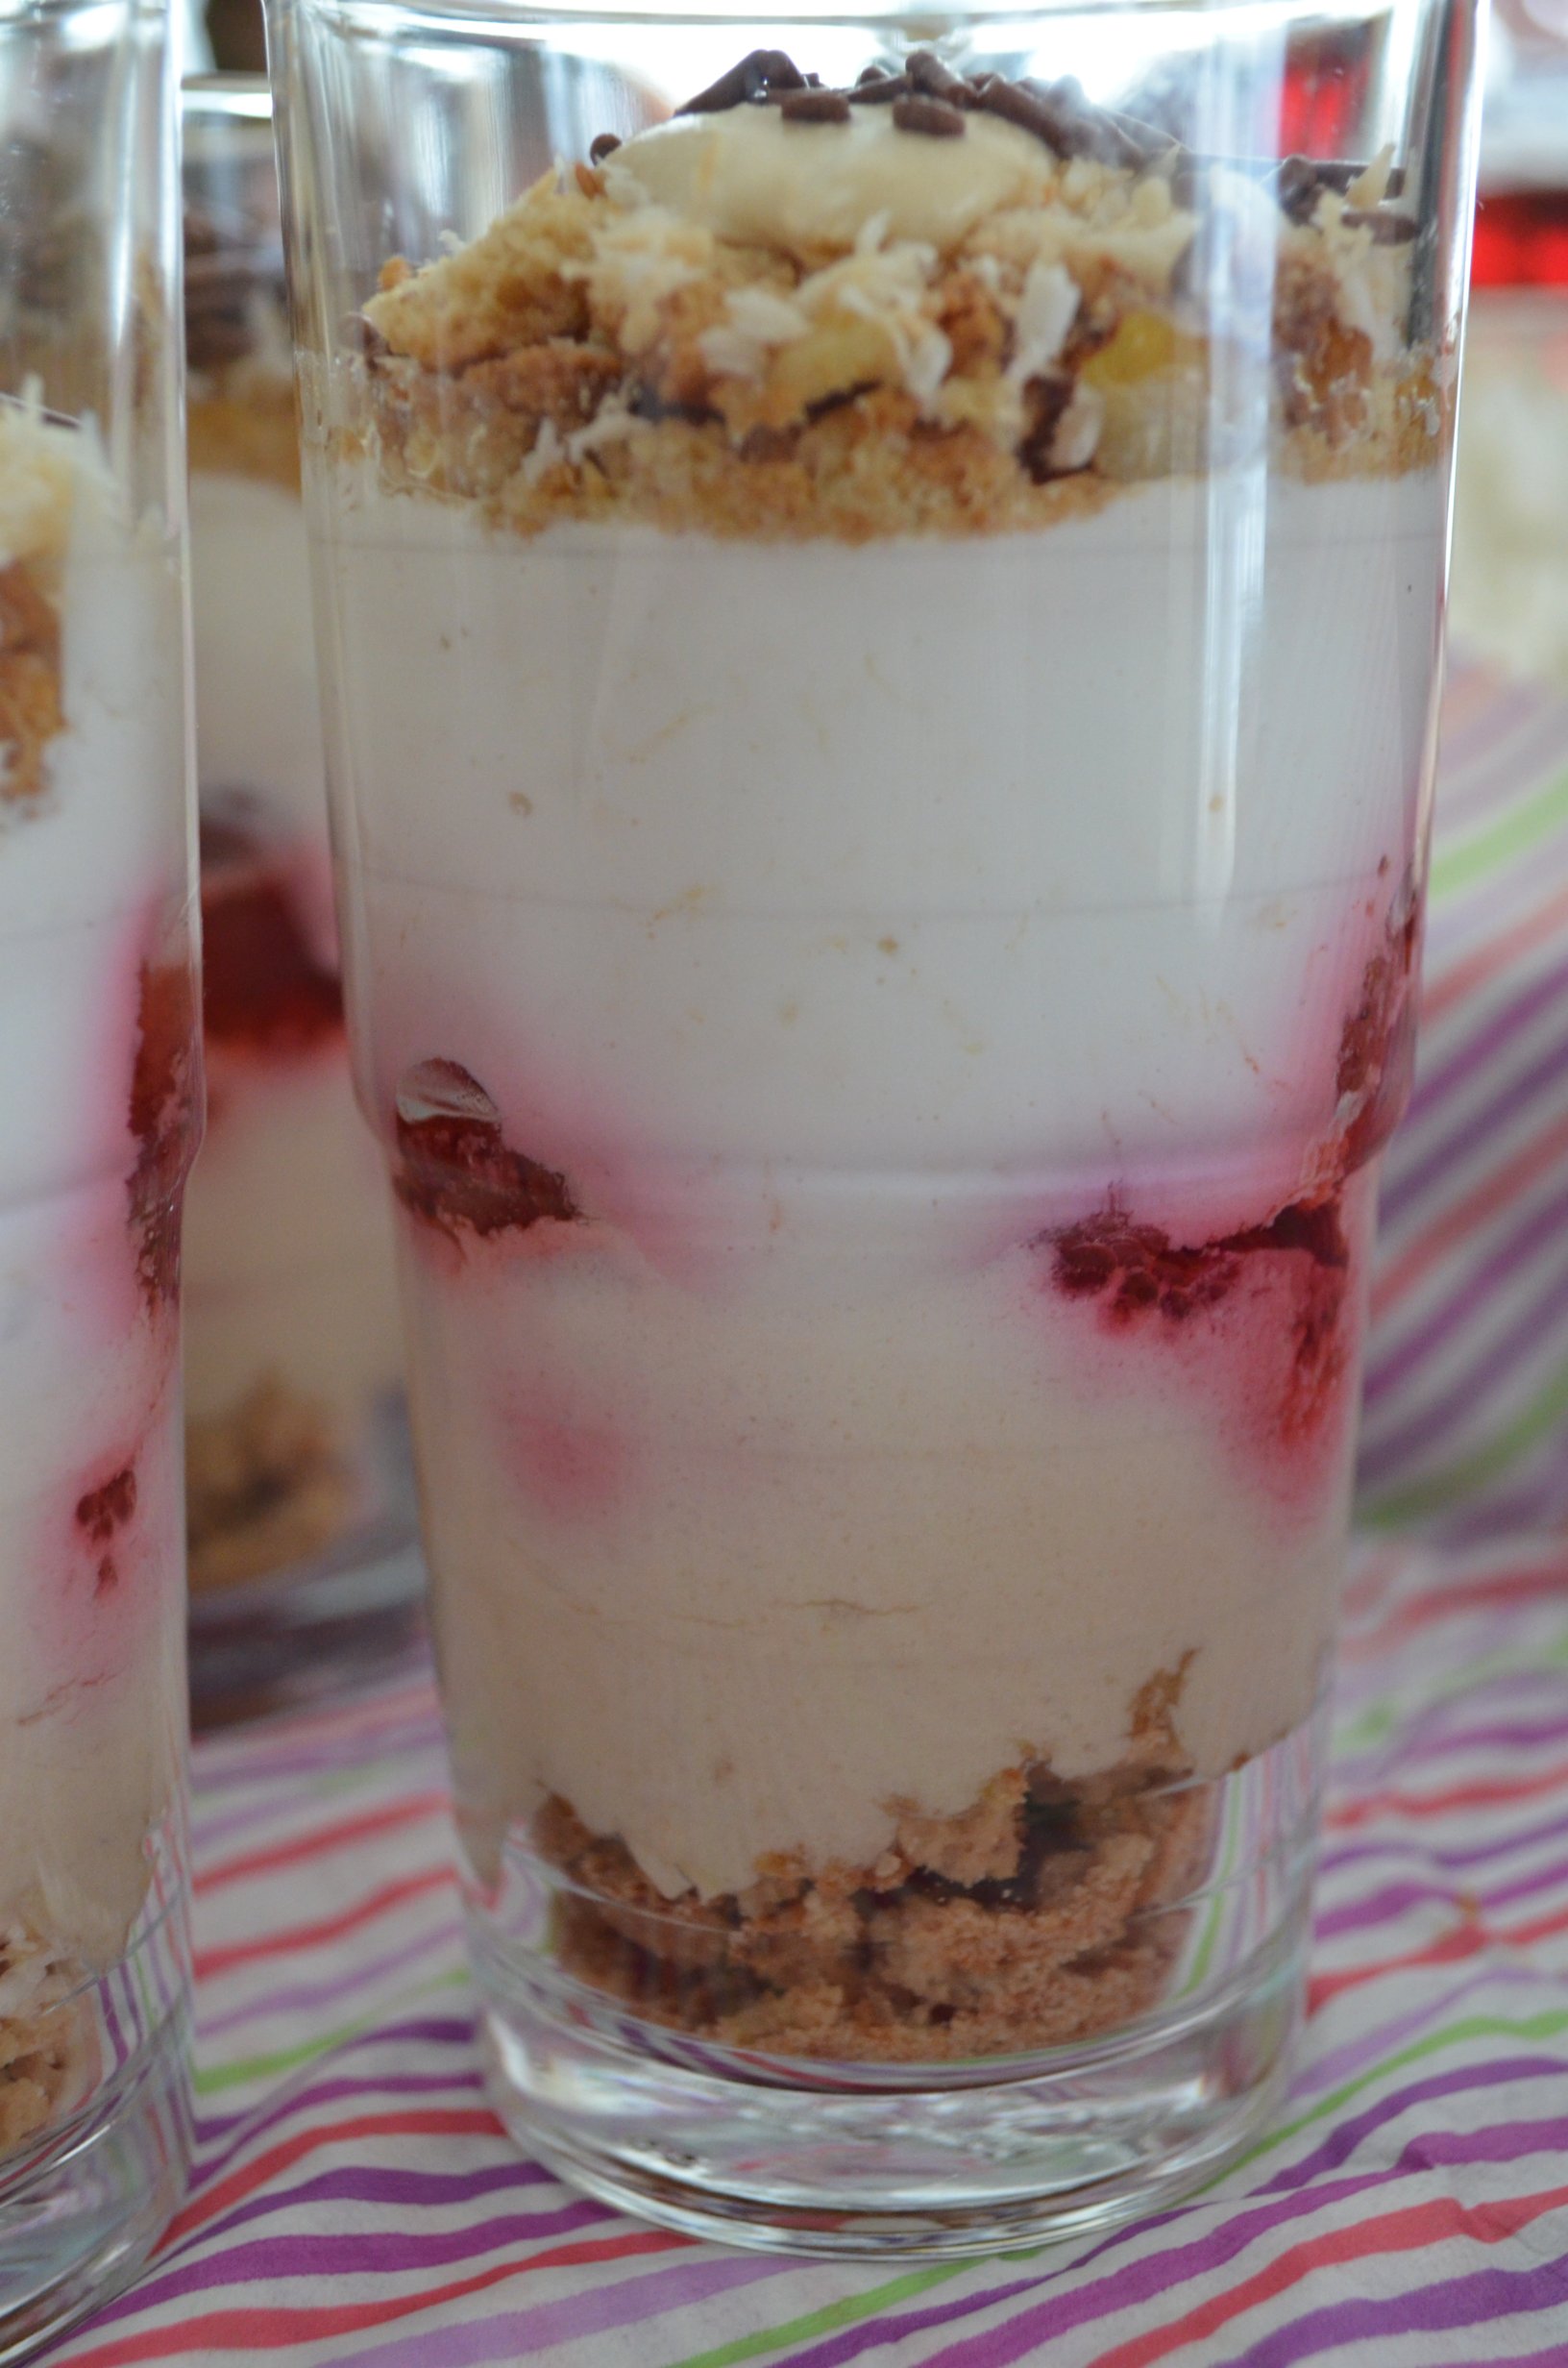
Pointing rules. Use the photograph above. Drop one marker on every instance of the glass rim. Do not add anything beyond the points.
(482, 18)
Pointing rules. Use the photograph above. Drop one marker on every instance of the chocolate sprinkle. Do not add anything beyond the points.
(934, 81)
(759, 73)
(929, 98)
(1387, 228)
(815, 107)
(605, 145)
(882, 91)
(933, 117)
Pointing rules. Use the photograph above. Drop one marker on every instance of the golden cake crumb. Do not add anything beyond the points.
(1040, 1916)
(595, 356)
(48, 2048)
(266, 1486)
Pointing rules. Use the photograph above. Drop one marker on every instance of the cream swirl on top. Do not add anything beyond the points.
(756, 179)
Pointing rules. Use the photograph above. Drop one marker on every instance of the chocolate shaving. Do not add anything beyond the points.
(761, 72)
(1388, 229)
(813, 107)
(1047, 398)
(882, 90)
(1063, 118)
(934, 81)
(605, 145)
(934, 118)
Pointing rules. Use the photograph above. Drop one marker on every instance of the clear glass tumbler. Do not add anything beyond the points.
(100, 1110)
(879, 608)
(299, 1492)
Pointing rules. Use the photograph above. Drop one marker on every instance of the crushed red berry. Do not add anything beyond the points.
(1137, 1273)
(262, 987)
(1377, 1044)
(104, 1510)
(164, 1090)
(454, 1166)
(1137, 1268)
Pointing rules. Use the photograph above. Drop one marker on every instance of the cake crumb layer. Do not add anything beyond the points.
(1041, 1915)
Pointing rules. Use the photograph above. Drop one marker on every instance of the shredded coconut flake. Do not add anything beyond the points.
(1046, 312)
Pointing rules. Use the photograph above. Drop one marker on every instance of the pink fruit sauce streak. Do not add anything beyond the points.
(1266, 1318)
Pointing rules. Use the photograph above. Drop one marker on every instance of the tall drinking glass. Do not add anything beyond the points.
(299, 1498)
(100, 1105)
(879, 608)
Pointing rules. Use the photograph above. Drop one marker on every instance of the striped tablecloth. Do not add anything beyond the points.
(356, 2202)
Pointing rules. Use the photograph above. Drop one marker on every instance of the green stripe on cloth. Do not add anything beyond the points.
(823, 2321)
(1455, 1481)
(1512, 834)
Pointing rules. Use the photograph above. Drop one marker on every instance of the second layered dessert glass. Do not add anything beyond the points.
(299, 1500)
(880, 617)
(100, 1106)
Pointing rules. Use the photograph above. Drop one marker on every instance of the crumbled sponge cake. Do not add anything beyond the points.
(1040, 1916)
(770, 323)
(48, 2050)
(36, 486)
(266, 1486)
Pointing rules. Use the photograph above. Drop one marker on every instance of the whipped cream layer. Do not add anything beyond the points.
(95, 886)
(742, 1567)
(837, 921)
(288, 1242)
(751, 177)
(1021, 859)
(287, 1245)
(257, 715)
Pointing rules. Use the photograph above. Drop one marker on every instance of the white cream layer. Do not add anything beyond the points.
(288, 1246)
(1030, 858)
(836, 919)
(93, 879)
(735, 1568)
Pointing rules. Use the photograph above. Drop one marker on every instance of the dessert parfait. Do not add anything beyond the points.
(883, 643)
(99, 1093)
(294, 1460)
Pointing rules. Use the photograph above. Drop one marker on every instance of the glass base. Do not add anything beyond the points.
(353, 1612)
(81, 2211)
(832, 2159)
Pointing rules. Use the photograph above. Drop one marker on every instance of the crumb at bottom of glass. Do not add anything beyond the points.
(305, 1568)
(907, 2061)
(95, 2121)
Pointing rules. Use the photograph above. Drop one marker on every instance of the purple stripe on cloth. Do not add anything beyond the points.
(365, 2184)
(515, 2335)
(1540, 1319)
(1538, 1229)
(213, 2129)
(1369, 2048)
(1534, 1503)
(362, 2253)
(1382, 1907)
(312, 1999)
(1152, 2278)
(305, 2096)
(1512, 767)
(1479, 1053)
(400, 1751)
(1343, 2141)
(1385, 1905)
(1423, 2308)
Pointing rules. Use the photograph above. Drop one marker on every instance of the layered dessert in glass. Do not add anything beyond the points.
(99, 1093)
(295, 1467)
(882, 644)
